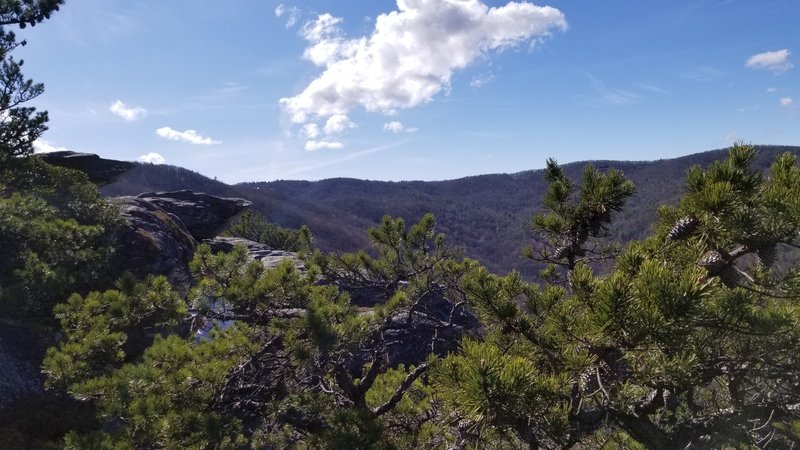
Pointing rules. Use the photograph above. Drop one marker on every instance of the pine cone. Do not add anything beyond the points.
(683, 228)
(713, 262)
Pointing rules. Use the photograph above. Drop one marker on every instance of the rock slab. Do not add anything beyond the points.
(100, 171)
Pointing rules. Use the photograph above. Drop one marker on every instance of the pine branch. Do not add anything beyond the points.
(401, 390)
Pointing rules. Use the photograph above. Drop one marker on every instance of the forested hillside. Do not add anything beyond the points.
(486, 215)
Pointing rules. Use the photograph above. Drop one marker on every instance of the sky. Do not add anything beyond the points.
(261, 90)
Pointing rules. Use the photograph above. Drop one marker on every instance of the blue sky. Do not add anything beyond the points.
(413, 89)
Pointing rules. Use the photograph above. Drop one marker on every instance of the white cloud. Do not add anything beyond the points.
(152, 158)
(127, 112)
(397, 127)
(481, 80)
(42, 146)
(310, 131)
(771, 90)
(190, 136)
(338, 123)
(777, 61)
(411, 54)
(292, 14)
(323, 144)
(786, 101)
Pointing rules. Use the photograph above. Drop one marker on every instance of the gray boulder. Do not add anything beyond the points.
(153, 241)
(257, 251)
(161, 231)
(21, 352)
(204, 215)
(100, 171)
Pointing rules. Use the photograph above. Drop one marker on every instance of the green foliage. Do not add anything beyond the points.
(20, 126)
(688, 340)
(253, 226)
(666, 350)
(160, 392)
(96, 327)
(575, 221)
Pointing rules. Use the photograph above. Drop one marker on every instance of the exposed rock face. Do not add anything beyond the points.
(257, 251)
(161, 231)
(153, 241)
(100, 171)
(21, 353)
(204, 215)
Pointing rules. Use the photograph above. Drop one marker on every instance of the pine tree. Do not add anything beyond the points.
(576, 222)
(20, 126)
(687, 343)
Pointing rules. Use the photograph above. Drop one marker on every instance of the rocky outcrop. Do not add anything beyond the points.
(161, 231)
(152, 241)
(21, 353)
(204, 215)
(257, 251)
(100, 171)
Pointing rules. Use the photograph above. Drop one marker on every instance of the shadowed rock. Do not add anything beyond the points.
(161, 231)
(204, 215)
(100, 171)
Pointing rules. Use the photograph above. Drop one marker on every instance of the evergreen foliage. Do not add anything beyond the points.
(253, 226)
(663, 350)
(274, 360)
(54, 226)
(575, 222)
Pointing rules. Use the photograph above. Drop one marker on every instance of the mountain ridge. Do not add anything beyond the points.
(486, 215)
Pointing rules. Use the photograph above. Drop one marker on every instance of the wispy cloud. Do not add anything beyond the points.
(703, 74)
(651, 87)
(602, 94)
(348, 157)
(129, 113)
(292, 14)
(397, 127)
(227, 91)
(152, 158)
(190, 136)
(775, 61)
(480, 81)
(786, 101)
(323, 144)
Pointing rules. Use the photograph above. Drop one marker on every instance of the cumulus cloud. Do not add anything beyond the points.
(786, 101)
(777, 61)
(338, 123)
(152, 158)
(42, 146)
(190, 136)
(310, 131)
(323, 144)
(397, 127)
(292, 14)
(411, 54)
(128, 113)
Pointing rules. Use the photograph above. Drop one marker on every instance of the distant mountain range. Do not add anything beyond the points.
(486, 215)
